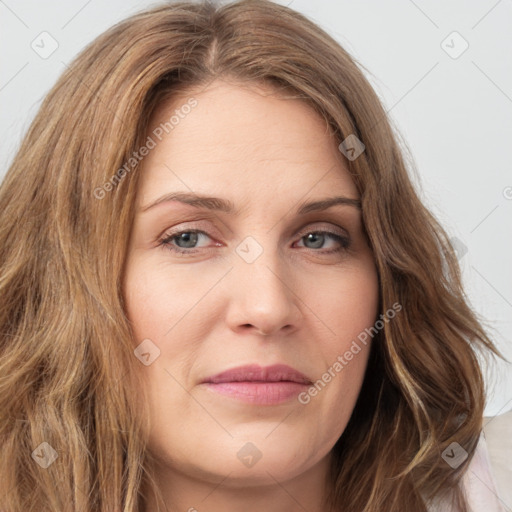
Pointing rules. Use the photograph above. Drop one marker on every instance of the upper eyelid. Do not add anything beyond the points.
(310, 226)
(306, 227)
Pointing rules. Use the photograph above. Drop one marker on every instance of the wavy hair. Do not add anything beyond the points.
(68, 376)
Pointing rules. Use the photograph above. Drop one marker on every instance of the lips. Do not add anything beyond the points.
(258, 386)
(256, 373)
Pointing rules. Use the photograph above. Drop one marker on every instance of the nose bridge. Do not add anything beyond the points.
(261, 293)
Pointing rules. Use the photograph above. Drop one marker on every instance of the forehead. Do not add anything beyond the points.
(245, 140)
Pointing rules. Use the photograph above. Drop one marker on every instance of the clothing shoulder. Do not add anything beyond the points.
(497, 431)
(488, 478)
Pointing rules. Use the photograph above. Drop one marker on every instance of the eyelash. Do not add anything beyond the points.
(166, 241)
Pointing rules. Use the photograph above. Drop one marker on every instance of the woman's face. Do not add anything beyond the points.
(247, 279)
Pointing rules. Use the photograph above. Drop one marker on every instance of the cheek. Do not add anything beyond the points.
(356, 305)
(142, 304)
(153, 298)
(346, 303)
(348, 306)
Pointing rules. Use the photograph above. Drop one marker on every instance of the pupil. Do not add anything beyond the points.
(319, 239)
(188, 238)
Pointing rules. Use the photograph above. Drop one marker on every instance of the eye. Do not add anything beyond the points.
(317, 239)
(186, 242)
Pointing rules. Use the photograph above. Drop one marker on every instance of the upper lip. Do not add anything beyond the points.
(255, 372)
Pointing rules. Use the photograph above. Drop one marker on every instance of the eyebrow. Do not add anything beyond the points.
(227, 206)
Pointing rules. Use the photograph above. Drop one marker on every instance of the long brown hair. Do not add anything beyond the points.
(68, 373)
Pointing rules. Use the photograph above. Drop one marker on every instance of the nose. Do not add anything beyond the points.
(262, 298)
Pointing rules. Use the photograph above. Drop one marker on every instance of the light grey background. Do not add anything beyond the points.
(454, 111)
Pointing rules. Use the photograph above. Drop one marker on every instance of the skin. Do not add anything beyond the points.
(210, 310)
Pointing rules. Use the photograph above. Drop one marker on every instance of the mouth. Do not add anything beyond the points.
(259, 385)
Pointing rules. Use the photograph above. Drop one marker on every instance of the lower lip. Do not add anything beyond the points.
(261, 393)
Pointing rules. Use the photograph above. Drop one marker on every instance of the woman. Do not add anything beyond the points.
(220, 289)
